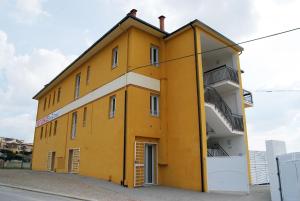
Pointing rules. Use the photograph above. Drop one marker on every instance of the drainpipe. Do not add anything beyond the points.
(125, 119)
(198, 106)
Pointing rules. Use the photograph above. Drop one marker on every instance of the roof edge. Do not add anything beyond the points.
(35, 97)
(209, 29)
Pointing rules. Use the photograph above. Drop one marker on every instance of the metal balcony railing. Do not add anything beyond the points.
(212, 96)
(219, 74)
(216, 150)
(248, 96)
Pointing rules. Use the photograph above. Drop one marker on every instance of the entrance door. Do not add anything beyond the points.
(70, 160)
(53, 161)
(150, 163)
(74, 158)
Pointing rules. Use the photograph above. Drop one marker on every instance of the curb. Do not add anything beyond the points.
(46, 192)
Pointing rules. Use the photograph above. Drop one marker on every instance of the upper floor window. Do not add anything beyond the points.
(41, 134)
(74, 125)
(49, 101)
(54, 97)
(154, 105)
(115, 57)
(50, 129)
(55, 128)
(154, 56)
(84, 116)
(58, 94)
(45, 103)
(77, 86)
(46, 130)
(87, 75)
(112, 106)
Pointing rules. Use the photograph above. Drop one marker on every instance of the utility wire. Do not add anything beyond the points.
(216, 49)
(277, 91)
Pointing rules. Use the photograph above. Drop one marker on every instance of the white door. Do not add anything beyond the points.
(150, 163)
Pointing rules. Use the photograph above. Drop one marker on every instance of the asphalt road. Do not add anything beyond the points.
(12, 194)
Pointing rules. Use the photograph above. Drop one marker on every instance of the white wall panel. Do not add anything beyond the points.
(274, 149)
(227, 174)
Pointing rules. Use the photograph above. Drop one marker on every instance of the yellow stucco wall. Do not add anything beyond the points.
(176, 130)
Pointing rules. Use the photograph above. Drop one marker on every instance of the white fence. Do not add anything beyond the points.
(14, 164)
(227, 174)
(259, 167)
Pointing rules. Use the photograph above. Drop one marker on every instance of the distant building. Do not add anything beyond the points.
(15, 145)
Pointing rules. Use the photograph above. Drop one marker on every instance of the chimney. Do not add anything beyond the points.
(162, 22)
(132, 13)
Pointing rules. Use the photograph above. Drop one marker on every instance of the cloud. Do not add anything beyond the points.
(28, 11)
(21, 77)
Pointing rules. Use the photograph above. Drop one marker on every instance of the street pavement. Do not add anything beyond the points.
(88, 188)
(12, 194)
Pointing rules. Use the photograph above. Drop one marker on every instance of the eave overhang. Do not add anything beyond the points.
(113, 33)
(210, 31)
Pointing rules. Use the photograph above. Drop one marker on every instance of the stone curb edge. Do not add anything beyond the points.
(45, 192)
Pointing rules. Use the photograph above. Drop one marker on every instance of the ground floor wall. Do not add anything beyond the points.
(99, 141)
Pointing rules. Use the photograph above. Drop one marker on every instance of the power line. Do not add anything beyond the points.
(277, 91)
(220, 48)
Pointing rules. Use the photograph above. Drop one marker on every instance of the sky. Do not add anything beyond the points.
(39, 38)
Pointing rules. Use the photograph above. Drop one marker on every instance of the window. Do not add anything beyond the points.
(49, 101)
(55, 128)
(77, 86)
(154, 56)
(87, 75)
(42, 130)
(154, 105)
(84, 117)
(115, 57)
(53, 98)
(50, 129)
(45, 103)
(112, 106)
(58, 94)
(74, 125)
(46, 131)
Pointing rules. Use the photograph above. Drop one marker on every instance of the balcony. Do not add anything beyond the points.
(248, 99)
(222, 78)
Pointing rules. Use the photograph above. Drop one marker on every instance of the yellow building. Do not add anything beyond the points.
(142, 106)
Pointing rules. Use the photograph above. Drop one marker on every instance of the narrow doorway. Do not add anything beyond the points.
(53, 161)
(150, 164)
(70, 160)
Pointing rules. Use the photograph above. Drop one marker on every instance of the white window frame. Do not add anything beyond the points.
(74, 125)
(154, 112)
(115, 57)
(112, 106)
(77, 86)
(154, 51)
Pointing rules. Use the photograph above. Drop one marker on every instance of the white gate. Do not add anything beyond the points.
(289, 176)
(259, 167)
(227, 174)
(139, 164)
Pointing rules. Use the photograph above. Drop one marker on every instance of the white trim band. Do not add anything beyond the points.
(127, 79)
